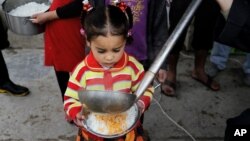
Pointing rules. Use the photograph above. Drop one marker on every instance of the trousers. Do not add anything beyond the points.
(220, 54)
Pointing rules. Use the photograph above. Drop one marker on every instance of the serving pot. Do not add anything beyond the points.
(21, 25)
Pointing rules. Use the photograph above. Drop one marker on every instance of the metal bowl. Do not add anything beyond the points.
(21, 25)
(106, 101)
(94, 130)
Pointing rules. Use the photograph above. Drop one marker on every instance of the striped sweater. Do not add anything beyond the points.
(124, 76)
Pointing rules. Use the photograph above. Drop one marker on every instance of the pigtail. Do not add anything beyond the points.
(128, 13)
(86, 8)
(130, 20)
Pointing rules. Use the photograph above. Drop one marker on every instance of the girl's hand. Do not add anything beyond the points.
(79, 120)
(141, 106)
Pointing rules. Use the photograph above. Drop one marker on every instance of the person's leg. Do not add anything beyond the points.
(6, 85)
(246, 65)
(169, 85)
(4, 75)
(62, 79)
(218, 58)
(177, 10)
(199, 73)
(219, 55)
(4, 43)
(205, 20)
(246, 69)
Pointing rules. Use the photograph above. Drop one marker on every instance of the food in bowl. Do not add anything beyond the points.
(112, 124)
(28, 9)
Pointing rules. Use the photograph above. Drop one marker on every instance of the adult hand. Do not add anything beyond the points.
(41, 18)
(162, 75)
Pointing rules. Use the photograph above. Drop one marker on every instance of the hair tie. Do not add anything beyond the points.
(82, 31)
(129, 33)
(122, 5)
(86, 5)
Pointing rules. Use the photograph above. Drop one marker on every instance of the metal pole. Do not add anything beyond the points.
(154, 68)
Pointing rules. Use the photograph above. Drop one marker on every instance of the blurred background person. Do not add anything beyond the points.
(219, 57)
(6, 85)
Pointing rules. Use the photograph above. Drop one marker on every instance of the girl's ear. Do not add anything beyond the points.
(87, 43)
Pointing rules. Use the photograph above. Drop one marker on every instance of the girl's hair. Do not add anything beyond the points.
(101, 21)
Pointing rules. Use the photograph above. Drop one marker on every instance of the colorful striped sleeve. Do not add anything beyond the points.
(72, 105)
(137, 76)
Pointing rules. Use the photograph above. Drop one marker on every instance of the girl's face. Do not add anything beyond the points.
(107, 50)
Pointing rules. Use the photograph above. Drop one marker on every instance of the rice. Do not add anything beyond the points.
(29, 9)
(111, 124)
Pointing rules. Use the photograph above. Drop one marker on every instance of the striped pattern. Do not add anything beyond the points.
(125, 79)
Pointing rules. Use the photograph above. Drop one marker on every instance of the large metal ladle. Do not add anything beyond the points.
(115, 102)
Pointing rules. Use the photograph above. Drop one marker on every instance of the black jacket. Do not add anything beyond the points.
(235, 31)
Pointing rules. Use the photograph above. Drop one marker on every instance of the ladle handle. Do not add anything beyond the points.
(154, 68)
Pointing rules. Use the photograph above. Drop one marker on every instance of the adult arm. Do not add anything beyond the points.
(235, 31)
(70, 10)
(74, 8)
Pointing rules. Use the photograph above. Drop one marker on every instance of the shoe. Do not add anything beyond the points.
(212, 70)
(208, 83)
(247, 79)
(13, 89)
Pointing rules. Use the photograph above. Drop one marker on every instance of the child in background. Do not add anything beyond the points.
(107, 32)
(63, 44)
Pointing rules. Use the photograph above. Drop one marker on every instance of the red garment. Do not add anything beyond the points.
(64, 45)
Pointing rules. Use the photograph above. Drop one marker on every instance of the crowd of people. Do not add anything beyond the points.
(124, 37)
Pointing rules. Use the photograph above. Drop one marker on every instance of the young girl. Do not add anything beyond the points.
(107, 67)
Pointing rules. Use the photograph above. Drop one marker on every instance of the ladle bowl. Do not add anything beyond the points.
(106, 101)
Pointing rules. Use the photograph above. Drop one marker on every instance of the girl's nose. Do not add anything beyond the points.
(109, 57)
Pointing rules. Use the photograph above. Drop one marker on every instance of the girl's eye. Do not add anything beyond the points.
(116, 50)
(101, 51)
